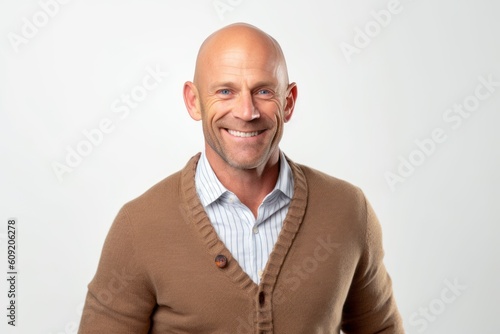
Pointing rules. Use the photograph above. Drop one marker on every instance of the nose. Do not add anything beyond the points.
(245, 108)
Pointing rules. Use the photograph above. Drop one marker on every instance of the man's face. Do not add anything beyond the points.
(244, 102)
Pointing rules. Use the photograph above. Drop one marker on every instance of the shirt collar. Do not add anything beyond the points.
(210, 189)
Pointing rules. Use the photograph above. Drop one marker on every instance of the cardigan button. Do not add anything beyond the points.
(221, 261)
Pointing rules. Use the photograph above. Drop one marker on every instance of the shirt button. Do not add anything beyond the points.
(221, 261)
(260, 274)
(255, 230)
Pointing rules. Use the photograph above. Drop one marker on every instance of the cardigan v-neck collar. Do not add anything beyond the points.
(193, 209)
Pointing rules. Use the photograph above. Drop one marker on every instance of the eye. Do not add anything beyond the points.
(224, 91)
(264, 93)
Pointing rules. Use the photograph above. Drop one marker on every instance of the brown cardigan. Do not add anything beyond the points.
(158, 272)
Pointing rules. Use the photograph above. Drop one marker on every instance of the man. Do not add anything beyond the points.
(242, 239)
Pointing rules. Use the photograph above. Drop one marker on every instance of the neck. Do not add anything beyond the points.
(250, 185)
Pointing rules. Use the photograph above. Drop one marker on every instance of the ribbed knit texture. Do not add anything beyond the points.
(157, 272)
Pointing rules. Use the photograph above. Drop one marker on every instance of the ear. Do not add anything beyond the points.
(291, 97)
(191, 100)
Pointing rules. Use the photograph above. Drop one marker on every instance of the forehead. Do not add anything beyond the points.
(236, 64)
(237, 59)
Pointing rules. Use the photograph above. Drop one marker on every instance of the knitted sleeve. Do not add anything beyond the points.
(118, 299)
(370, 306)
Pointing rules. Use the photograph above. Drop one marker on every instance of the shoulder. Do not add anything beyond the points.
(158, 193)
(333, 205)
(325, 186)
(167, 192)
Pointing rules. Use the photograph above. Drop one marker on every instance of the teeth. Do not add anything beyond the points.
(243, 134)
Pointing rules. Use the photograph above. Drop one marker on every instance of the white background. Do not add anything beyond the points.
(354, 119)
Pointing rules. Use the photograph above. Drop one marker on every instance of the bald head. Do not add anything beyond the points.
(243, 40)
(242, 96)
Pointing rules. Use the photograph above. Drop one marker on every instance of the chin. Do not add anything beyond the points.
(245, 163)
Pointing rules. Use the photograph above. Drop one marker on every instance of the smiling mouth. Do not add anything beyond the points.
(243, 134)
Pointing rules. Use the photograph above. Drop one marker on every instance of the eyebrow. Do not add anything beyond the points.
(222, 84)
(231, 84)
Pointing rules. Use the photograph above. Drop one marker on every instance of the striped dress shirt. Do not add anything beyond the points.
(250, 240)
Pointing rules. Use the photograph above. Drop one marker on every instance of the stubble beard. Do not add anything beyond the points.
(213, 137)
